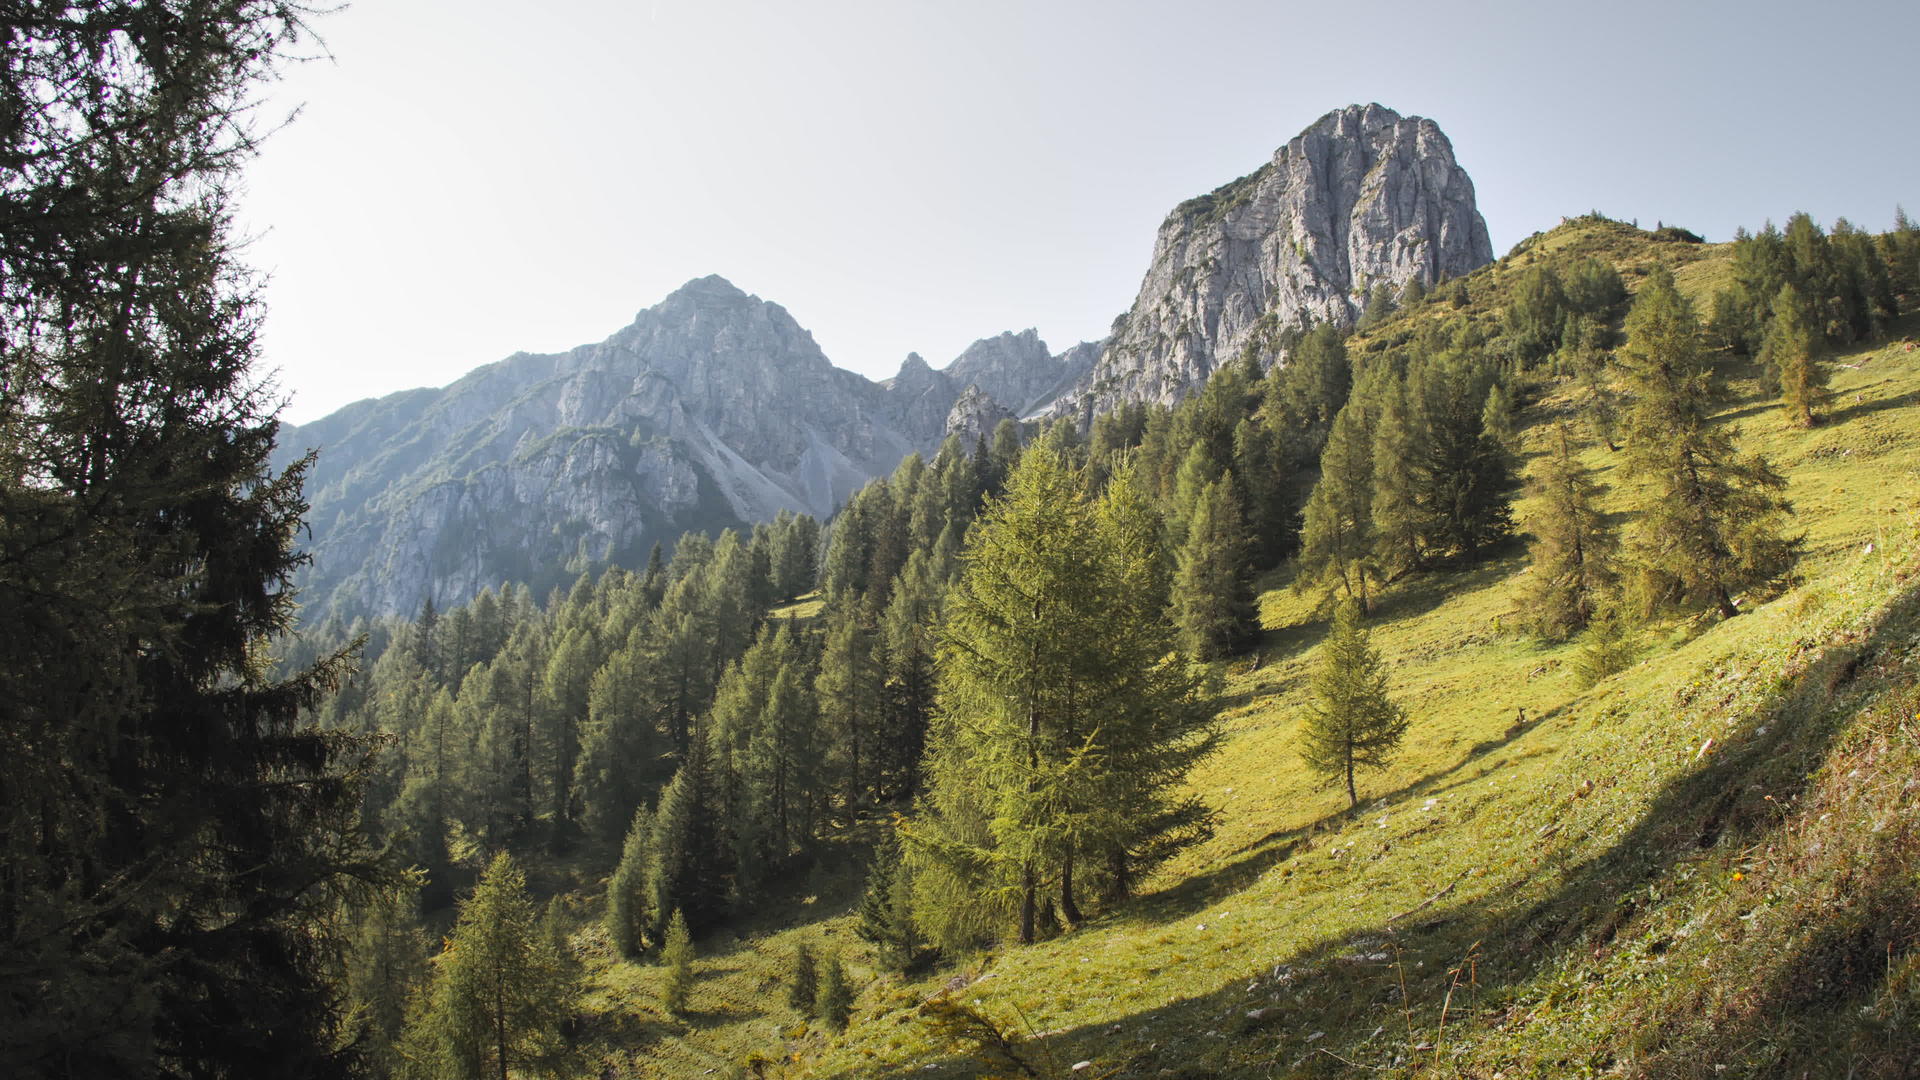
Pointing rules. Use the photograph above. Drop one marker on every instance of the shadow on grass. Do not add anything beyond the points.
(1836, 417)
(707, 1019)
(1245, 866)
(1337, 1006)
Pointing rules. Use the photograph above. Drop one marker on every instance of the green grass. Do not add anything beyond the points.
(1704, 866)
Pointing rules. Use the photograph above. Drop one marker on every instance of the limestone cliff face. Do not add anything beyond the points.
(1364, 196)
(712, 409)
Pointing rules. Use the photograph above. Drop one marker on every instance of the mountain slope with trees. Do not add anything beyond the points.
(772, 744)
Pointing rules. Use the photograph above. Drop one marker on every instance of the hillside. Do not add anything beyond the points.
(1701, 866)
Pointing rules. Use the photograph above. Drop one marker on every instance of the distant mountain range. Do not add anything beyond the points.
(715, 408)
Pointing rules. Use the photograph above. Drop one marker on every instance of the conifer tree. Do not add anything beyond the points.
(834, 1001)
(1572, 549)
(803, 987)
(678, 954)
(170, 816)
(1057, 691)
(1793, 350)
(1162, 724)
(1213, 590)
(653, 581)
(1605, 648)
(1534, 317)
(1464, 474)
(1598, 403)
(622, 752)
(690, 856)
(1305, 394)
(906, 640)
(1350, 723)
(566, 687)
(886, 913)
(500, 993)
(1399, 522)
(680, 645)
(849, 689)
(386, 964)
(1713, 522)
(629, 915)
(1260, 481)
(796, 555)
(1336, 539)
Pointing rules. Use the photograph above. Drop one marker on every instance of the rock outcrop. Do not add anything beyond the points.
(1364, 197)
(974, 416)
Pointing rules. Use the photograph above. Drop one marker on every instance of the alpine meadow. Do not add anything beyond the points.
(1372, 656)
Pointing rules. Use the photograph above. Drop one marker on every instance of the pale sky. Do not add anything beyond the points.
(472, 178)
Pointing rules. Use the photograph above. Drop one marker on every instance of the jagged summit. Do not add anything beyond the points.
(1363, 196)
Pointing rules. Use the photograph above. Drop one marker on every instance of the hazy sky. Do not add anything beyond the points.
(471, 178)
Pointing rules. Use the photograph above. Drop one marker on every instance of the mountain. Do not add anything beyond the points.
(1363, 197)
(714, 408)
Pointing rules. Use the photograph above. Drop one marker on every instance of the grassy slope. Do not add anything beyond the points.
(1705, 861)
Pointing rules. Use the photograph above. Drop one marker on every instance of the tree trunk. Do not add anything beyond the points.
(1069, 908)
(1727, 610)
(1353, 797)
(1027, 908)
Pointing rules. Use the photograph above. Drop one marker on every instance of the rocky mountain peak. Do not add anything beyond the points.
(1363, 197)
(713, 285)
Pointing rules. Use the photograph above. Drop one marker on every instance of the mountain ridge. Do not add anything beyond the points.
(716, 408)
(712, 408)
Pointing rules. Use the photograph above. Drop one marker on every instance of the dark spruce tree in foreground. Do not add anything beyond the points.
(1214, 602)
(174, 838)
(886, 913)
(1351, 724)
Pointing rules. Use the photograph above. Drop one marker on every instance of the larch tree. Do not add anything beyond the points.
(1573, 545)
(1713, 523)
(500, 992)
(1793, 348)
(1336, 537)
(1399, 522)
(1350, 721)
(1059, 689)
